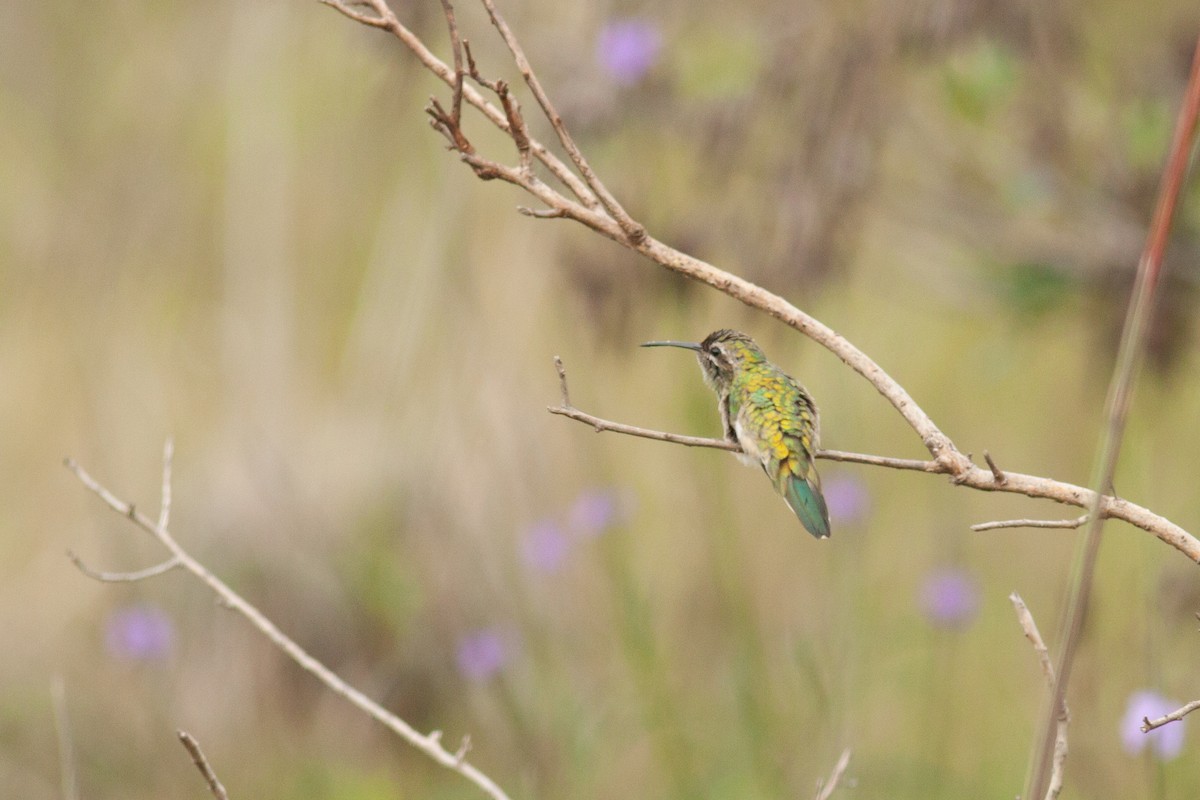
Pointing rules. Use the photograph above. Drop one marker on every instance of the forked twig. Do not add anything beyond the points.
(1175, 716)
(430, 744)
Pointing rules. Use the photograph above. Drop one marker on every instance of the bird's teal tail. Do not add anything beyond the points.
(804, 497)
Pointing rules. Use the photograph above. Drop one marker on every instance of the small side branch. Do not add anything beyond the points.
(123, 577)
(565, 409)
(1176, 715)
(1063, 716)
(634, 232)
(210, 777)
(826, 790)
(996, 473)
(1078, 522)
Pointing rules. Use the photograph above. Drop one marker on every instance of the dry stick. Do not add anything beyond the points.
(1029, 485)
(429, 745)
(386, 20)
(210, 777)
(1031, 523)
(1063, 716)
(1176, 715)
(1133, 341)
(632, 229)
(600, 425)
(825, 791)
(588, 212)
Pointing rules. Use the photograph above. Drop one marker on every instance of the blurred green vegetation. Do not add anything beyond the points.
(229, 223)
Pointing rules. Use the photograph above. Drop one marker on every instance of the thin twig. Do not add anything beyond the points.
(123, 577)
(1129, 355)
(1031, 523)
(996, 473)
(976, 477)
(210, 777)
(1176, 715)
(600, 425)
(429, 745)
(1062, 716)
(632, 229)
(66, 743)
(826, 790)
(387, 21)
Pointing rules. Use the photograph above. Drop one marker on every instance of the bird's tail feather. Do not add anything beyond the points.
(805, 499)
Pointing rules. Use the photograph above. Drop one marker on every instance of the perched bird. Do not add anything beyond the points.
(769, 415)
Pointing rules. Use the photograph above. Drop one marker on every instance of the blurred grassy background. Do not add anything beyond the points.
(228, 222)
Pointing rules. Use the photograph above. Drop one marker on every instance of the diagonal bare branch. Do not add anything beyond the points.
(210, 777)
(430, 744)
(826, 790)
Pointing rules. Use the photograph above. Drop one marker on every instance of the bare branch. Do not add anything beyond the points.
(123, 577)
(457, 51)
(386, 20)
(975, 477)
(210, 777)
(429, 745)
(634, 232)
(1176, 715)
(600, 425)
(1062, 715)
(826, 790)
(1031, 523)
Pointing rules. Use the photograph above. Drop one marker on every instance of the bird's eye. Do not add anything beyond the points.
(716, 351)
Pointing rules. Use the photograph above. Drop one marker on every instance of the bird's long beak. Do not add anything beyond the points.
(685, 345)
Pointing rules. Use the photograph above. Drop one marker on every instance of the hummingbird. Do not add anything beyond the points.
(769, 415)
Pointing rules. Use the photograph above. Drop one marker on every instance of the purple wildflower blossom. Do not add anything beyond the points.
(481, 654)
(139, 633)
(627, 49)
(545, 547)
(847, 498)
(950, 598)
(594, 512)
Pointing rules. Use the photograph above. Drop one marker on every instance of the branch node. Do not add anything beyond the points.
(999, 477)
(542, 213)
(465, 747)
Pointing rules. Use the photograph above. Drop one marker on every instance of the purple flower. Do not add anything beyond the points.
(847, 499)
(139, 633)
(545, 547)
(481, 654)
(1166, 742)
(950, 598)
(626, 49)
(594, 511)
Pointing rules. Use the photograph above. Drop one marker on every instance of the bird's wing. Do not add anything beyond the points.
(781, 419)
